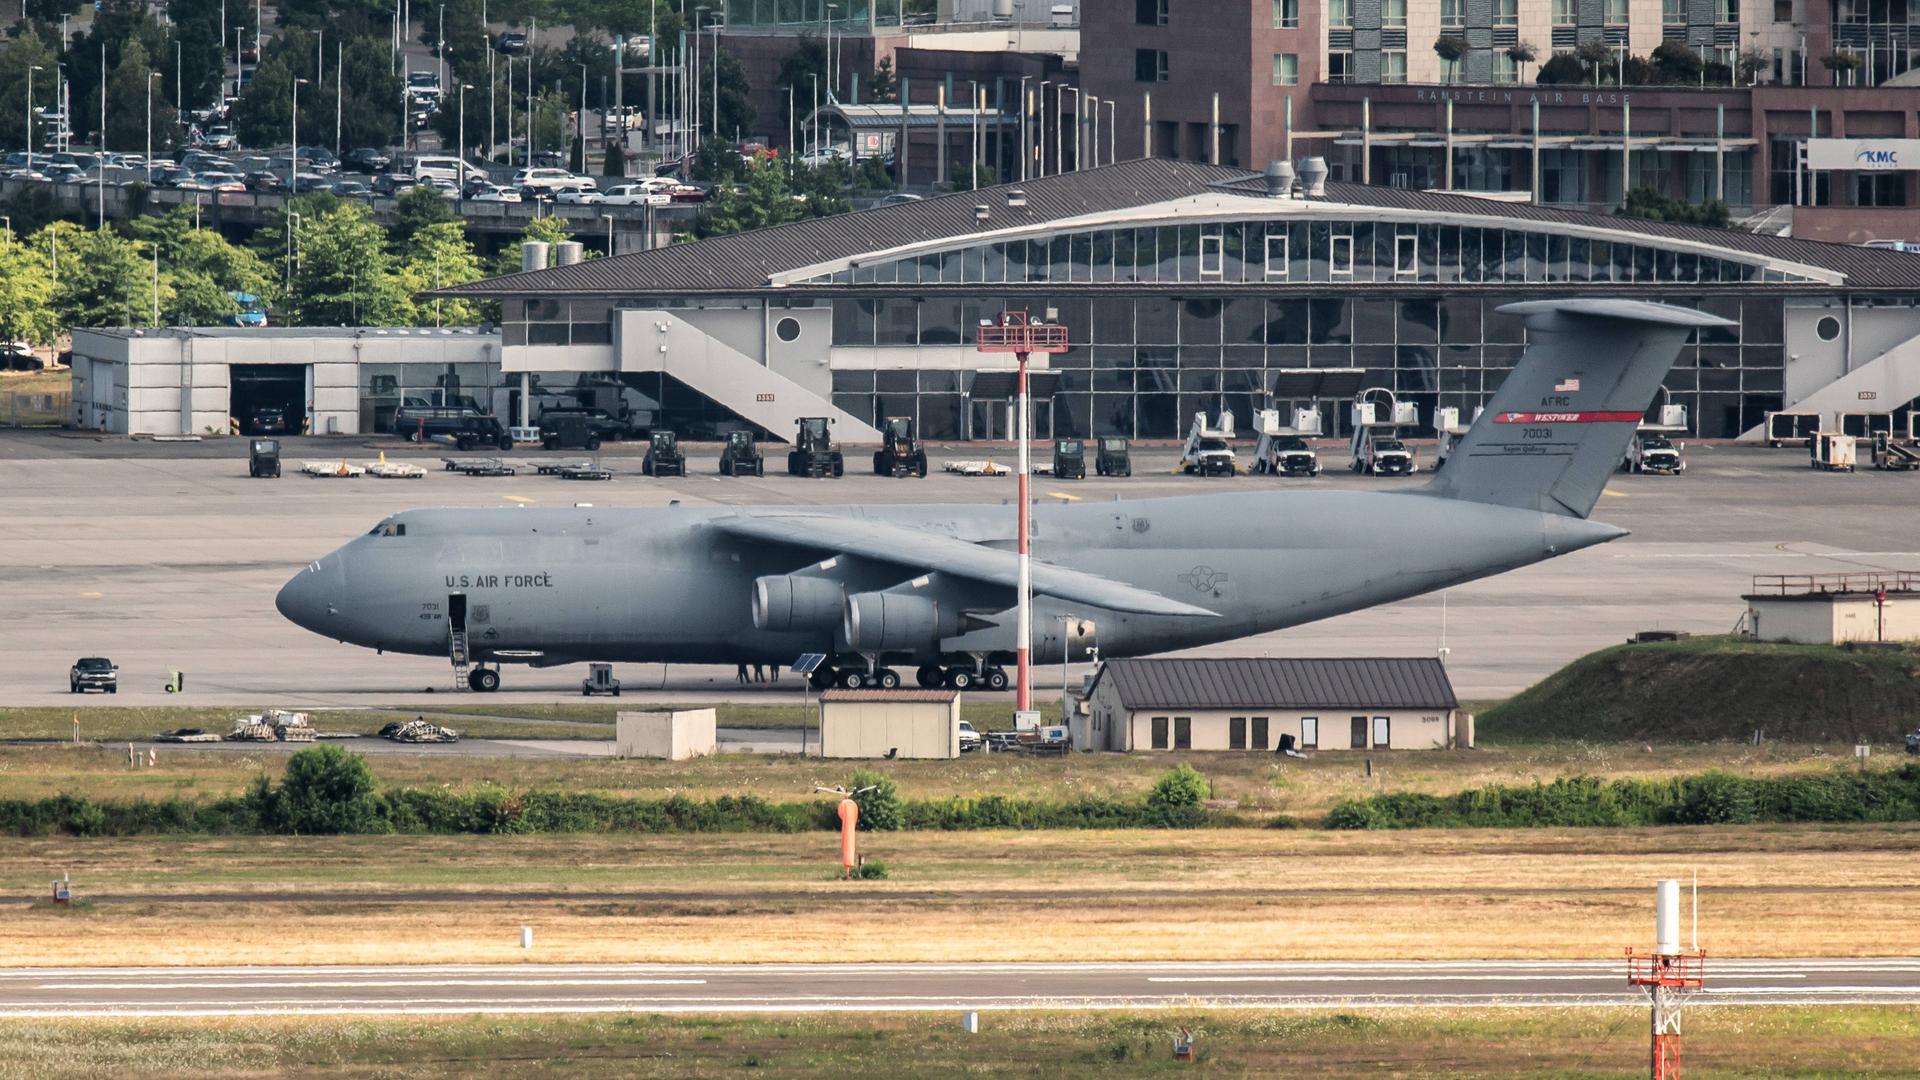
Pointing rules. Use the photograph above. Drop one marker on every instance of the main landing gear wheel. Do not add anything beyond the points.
(483, 680)
(961, 679)
(996, 678)
(821, 678)
(887, 679)
(853, 680)
(930, 676)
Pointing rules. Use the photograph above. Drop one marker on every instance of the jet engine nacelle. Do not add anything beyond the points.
(782, 603)
(891, 620)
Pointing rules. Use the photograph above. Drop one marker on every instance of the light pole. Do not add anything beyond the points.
(293, 238)
(1093, 103)
(533, 27)
(463, 137)
(718, 18)
(293, 174)
(1060, 128)
(148, 161)
(1025, 109)
(814, 77)
(1113, 125)
(440, 47)
(1040, 134)
(699, 16)
(30, 71)
(831, 8)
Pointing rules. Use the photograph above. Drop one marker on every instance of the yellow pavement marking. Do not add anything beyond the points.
(90, 596)
(1064, 495)
(518, 498)
(1615, 494)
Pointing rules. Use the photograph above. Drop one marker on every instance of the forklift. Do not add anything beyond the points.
(741, 456)
(1069, 459)
(1113, 458)
(664, 456)
(900, 454)
(264, 459)
(813, 452)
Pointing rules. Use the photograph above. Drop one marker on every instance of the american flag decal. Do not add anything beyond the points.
(1566, 386)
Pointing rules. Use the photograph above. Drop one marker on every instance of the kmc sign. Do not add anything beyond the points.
(1865, 155)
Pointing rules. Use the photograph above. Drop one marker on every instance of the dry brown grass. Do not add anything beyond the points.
(1836, 1044)
(1261, 783)
(1223, 894)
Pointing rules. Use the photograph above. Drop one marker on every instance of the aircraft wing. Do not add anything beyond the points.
(907, 546)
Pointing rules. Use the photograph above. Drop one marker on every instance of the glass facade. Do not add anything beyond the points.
(1318, 251)
(1141, 366)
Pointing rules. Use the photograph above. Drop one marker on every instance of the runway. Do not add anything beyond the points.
(790, 988)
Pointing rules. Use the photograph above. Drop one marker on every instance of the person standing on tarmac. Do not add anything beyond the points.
(740, 674)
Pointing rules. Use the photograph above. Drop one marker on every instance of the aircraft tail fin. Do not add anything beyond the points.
(1559, 425)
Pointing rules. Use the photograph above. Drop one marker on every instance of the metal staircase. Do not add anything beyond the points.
(462, 659)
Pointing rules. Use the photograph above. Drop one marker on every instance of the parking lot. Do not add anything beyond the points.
(165, 556)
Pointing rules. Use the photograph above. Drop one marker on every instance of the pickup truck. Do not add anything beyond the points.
(93, 673)
(468, 428)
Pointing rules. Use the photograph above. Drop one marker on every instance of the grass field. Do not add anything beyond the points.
(1259, 783)
(1212, 894)
(1593, 1044)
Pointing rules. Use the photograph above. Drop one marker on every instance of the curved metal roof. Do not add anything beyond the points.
(752, 262)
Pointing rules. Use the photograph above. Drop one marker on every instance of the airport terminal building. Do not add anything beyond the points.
(1185, 288)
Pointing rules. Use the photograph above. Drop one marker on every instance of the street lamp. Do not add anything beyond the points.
(293, 175)
(1040, 122)
(148, 161)
(1024, 112)
(1113, 125)
(293, 237)
(463, 139)
(30, 71)
(831, 8)
(699, 16)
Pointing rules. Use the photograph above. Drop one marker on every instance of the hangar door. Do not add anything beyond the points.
(269, 399)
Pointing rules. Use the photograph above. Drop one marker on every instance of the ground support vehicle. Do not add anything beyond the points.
(741, 456)
(900, 454)
(1654, 454)
(813, 452)
(1114, 458)
(1834, 452)
(1892, 455)
(1209, 450)
(263, 459)
(1069, 459)
(664, 456)
(599, 680)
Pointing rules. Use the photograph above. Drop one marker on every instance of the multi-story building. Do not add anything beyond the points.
(1441, 93)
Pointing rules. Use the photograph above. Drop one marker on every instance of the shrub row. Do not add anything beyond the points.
(1711, 798)
(329, 791)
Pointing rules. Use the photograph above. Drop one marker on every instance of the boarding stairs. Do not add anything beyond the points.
(459, 654)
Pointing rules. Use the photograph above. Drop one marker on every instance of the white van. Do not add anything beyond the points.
(446, 168)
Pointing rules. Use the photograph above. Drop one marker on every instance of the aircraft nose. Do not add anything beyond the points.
(311, 598)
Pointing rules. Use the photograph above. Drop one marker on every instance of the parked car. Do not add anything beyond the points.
(93, 673)
(493, 193)
(367, 159)
(898, 198)
(511, 42)
(218, 137)
(580, 197)
(264, 181)
(266, 420)
(62, 173)
(635, 195)
(687, 193)
(539, 182)
(348, 188)
(224, 181)
(390, 184)
(970, 740)
(602, 424)
(319, 158)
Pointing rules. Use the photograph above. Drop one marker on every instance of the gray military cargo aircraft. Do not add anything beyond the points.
(931, 588)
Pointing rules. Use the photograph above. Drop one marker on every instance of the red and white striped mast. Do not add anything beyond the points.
(1015, 334)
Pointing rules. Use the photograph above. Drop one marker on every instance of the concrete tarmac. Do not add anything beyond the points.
(786, 988)
(167, 557)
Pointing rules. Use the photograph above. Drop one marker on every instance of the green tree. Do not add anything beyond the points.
(805, 66)
(355, 83)
(127, 88)
(204, 50)
(1651, 205)
(117, 25)
(736, 103)
(885, 87)
(26, 293)
(200, 268)
(105, 279)
(417, 208)
(879, 801)
(341, 273)
(437, 256)
(1674, 62)
(26, 52)
(327, 791)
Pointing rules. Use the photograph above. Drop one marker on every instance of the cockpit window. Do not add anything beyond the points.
(389, 528)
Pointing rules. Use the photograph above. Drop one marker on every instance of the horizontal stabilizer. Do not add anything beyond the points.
(904, 545)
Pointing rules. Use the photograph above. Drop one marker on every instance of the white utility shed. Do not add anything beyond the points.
(890, 724)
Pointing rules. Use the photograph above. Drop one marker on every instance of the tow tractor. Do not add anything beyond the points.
(1377, 419)
(1652, 449)
(900, 454)
(813, 452)
(1209, 450)
(664, 456)
(1069, 459)
(1282, 450)
(741, 456)
(1113, 457)
(263, 458)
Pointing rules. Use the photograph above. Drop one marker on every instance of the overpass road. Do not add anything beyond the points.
(779, 988)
